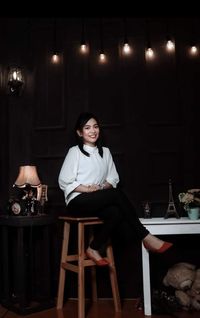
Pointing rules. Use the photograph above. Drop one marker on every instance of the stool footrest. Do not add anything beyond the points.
(70, 267)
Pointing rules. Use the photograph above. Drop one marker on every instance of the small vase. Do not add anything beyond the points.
(193, 213)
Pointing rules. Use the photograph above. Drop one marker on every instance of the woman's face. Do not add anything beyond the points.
(90, 132)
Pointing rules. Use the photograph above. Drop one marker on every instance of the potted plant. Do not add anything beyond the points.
(191, 202)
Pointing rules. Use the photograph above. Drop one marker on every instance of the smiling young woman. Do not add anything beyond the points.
(89, 180)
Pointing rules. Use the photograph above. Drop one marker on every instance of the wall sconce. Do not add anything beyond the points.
(15, 81)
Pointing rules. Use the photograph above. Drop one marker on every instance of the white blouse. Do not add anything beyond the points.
(79, 169)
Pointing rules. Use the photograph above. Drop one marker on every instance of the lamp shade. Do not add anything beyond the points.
(27, 176)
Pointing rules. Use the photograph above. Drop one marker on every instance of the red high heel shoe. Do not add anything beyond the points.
(98, 262)
(162, 249)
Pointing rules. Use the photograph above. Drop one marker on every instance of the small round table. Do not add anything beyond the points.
(25, 245)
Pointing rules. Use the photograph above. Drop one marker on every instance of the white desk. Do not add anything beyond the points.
(161, 226)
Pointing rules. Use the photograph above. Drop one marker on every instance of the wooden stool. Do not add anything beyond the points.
(82, 262)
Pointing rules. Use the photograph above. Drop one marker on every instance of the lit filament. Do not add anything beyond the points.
(193, 50)
(149, 53)
(102, 57)
(170, 46)
(83, 48)
(55, 58)
(126, 48)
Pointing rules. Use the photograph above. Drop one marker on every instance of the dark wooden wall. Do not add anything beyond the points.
(149, 111)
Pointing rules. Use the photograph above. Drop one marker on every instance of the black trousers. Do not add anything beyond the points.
(112, 206)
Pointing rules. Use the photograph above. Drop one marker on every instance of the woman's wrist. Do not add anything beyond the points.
(88, 188)
(102, 186)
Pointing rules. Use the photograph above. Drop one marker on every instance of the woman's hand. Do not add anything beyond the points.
(87, 188)
(93, 187)
(97, 187)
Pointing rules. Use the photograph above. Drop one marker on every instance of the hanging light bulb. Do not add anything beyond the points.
(149, 53)
(126, 49)
(193, 50)
(170, 45)
(55, 57)
(102, 56)
(83, 47)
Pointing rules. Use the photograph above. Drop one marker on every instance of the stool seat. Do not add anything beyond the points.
(81, 219)
(77, 263)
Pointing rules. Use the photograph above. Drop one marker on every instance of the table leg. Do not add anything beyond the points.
(146, 281)
(5, 263)
(21, 272)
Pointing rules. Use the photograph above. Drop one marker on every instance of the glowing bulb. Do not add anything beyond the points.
(149, 53)
(170, 46)
(55, 58)
(126, 48)
(102, 57)
(193, 50)
(14, 75)
(83, 48)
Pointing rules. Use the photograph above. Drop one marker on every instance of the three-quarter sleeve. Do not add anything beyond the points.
(112, 174)
(68, 173)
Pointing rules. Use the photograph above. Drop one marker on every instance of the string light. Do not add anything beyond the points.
(193, 50)
(125, 48)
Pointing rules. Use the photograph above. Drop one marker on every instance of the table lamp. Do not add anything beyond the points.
(29, 181)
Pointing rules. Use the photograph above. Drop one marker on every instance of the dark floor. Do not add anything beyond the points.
(103, 308)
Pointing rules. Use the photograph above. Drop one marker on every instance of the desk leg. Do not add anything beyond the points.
(146, 281)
